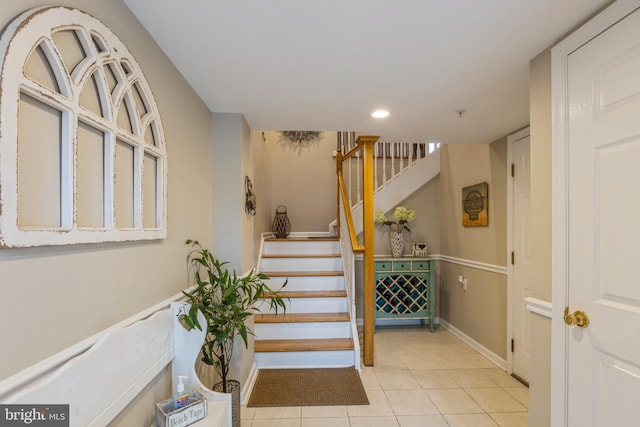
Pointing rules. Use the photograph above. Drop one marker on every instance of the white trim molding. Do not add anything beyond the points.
(248, 384)
(538, 306)
(492, 268)
(46, 366)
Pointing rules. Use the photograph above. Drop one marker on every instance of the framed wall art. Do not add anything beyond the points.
(475, 205)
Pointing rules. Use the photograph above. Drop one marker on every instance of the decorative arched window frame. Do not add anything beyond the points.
(112, 162)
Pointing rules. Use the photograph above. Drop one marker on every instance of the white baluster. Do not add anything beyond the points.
(393, 159)
(384, 163)
(409, 152)
(358, 178)
(348, 184)
(375, 166)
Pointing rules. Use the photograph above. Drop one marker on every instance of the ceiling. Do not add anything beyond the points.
(327, 64)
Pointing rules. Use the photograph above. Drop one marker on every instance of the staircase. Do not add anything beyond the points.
(317, 329)
(396, 175)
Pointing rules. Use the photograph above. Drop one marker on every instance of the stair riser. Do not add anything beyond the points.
(305, 359)
(301, 260)
(306, 248)
(301, 264)
(310, 305)
(310, 330)
(315, 283)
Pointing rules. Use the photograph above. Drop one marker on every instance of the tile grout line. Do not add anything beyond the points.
(442, 345)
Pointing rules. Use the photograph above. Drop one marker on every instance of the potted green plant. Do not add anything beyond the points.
(227, 301)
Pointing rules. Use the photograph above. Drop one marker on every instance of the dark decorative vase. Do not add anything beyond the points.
(281, 226)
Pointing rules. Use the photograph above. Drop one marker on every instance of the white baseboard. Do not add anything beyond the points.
(248, 385)
(494, 358)
(398, 322)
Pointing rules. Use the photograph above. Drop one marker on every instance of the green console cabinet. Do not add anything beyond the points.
(405, 289)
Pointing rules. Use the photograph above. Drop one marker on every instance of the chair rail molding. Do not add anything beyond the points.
(538, 306)
(492, 268)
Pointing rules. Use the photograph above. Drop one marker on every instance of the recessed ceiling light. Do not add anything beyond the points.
(380, 114)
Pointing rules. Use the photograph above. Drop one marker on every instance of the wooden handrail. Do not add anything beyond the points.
(364, 144)
(342, 194)
(353, 150)
(355, 246)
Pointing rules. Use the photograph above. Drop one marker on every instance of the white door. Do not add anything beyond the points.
(602, 225)
(521, 259)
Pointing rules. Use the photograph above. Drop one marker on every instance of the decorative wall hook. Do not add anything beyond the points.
(250, 197)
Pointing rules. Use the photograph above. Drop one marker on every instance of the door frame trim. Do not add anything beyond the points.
(517, 136)
(560, 192)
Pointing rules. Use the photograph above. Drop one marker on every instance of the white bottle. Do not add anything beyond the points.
(181, 398)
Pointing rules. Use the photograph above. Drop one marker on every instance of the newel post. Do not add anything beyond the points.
(368, 227)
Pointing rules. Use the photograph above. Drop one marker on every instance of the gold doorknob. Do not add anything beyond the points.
(578, 318)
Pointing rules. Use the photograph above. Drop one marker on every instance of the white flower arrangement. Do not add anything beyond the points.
(401, 215)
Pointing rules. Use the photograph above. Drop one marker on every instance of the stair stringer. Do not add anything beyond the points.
(401, 186)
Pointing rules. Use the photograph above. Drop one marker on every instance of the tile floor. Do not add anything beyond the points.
(420, 379)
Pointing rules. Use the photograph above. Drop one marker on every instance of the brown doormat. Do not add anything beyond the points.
(308, 387)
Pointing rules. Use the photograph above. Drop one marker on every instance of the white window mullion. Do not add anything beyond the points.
(161, 193)
(109, 180)
(138, 160)
(84, 69)
(45, 95)
(67, 170)
(55, 59)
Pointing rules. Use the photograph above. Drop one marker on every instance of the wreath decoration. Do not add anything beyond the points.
(297, 140)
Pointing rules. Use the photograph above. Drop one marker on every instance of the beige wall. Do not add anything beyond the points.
(479, 312)
(235, 236)
(540, 335)
(64, 294)
(304, 182)
(261, 178)
(54, 297)
(240, 152)
(462, 165)
(426, 228)
(228, 164)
